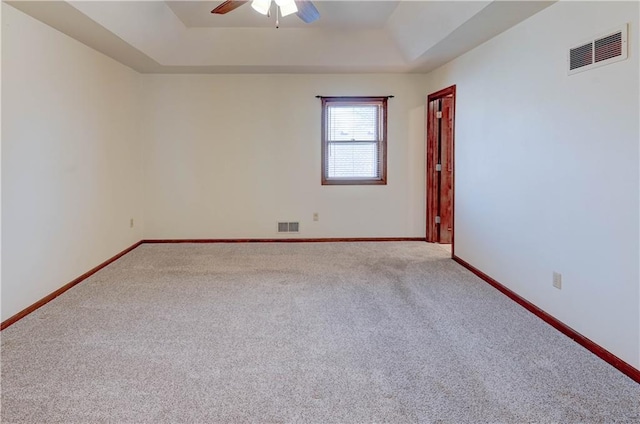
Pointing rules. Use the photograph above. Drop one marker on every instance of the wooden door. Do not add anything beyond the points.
(446, 172)
(440, 176)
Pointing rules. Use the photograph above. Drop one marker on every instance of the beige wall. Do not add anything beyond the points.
(547, 170)
(71, 160)
(228, 156)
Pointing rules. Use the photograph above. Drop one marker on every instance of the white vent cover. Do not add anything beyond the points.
(288, 227)
(608, 48)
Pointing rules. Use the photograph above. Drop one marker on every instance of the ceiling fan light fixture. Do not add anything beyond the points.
(287, 7)
(261, 6)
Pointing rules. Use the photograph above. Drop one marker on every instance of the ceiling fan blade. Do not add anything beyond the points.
(307, 11)
(228, 6)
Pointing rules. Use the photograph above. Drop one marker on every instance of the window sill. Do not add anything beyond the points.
(353, 182)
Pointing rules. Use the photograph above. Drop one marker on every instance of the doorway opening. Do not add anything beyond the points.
(441, 107)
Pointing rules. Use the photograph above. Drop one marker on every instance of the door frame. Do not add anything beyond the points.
(431, 180)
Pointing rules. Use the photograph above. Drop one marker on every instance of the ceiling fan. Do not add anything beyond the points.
(304, 9)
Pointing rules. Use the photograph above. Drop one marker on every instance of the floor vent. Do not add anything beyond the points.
(288, 227)
(603, 50)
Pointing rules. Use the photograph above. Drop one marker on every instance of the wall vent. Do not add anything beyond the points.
(608, 48)
(288, 227)
(581, 56)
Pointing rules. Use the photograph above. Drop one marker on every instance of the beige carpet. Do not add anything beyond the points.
(284, 333)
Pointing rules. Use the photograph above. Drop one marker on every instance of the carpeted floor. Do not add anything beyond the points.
(284, 333)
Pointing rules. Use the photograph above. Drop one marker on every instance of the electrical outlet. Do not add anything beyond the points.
(316, 217)
(557, 280)
(131, 223)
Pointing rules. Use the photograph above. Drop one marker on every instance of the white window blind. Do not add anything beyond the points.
(353, 140)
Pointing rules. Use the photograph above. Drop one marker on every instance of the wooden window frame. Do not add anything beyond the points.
(382, 143)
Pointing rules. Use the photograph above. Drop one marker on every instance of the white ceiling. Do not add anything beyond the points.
(350, 36)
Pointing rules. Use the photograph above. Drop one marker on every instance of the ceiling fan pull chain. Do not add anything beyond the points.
(277, 17)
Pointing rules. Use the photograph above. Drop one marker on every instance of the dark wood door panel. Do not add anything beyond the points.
(446, 174)
(432, 174)
(440, 119)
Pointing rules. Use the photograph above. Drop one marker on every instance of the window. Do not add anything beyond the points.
(354, 140)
